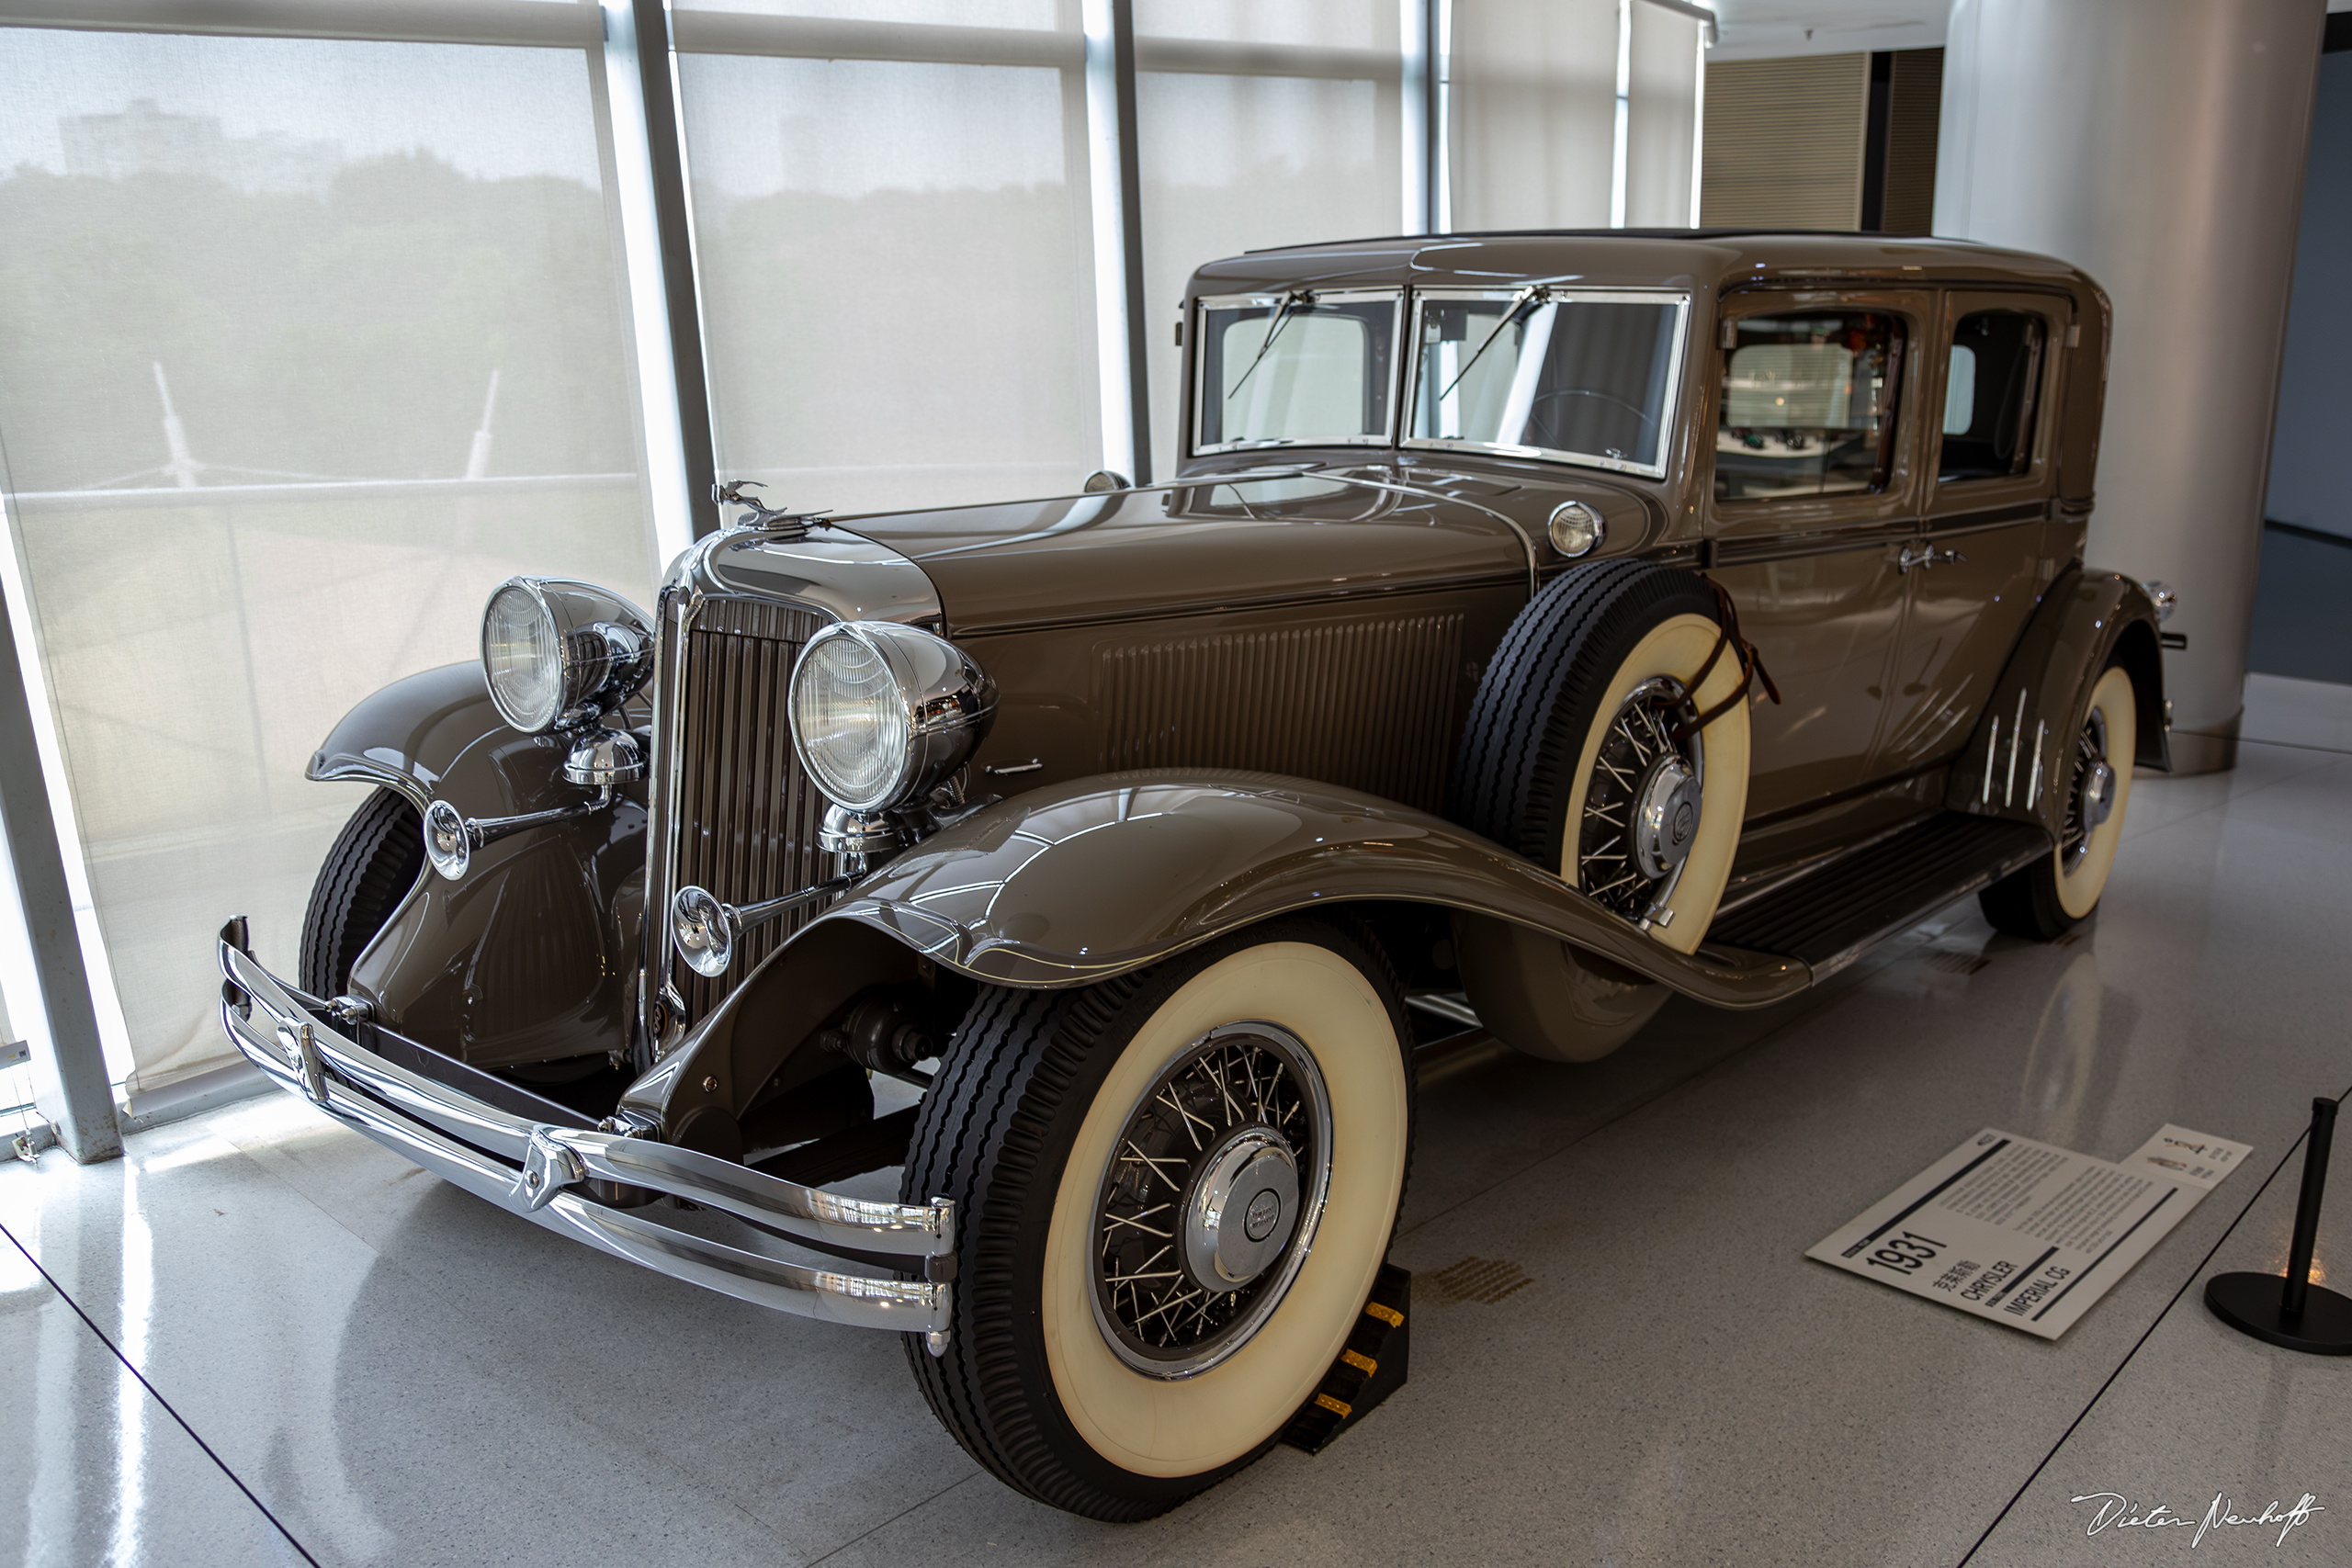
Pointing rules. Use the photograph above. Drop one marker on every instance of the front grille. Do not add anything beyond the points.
(747, 815)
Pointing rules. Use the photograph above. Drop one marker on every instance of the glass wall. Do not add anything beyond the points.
(1662, 119)
(1257, 125)
(893, 239)
(304, 344)
(1534, 121)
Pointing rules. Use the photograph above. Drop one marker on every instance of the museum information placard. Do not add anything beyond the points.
(2027, 1234)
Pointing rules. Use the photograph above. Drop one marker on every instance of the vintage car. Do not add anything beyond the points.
(1537, 626)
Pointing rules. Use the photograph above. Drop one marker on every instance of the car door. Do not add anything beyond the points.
(1984, 555)
(1812, 497)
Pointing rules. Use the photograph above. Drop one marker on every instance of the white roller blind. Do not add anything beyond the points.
(1534, 113)
(897, 274)
(254, 295)
(1662, 118)
(1298, 139)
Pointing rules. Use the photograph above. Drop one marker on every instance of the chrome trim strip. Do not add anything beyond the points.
(422, 1121)
(1424, 492)
(677, 607)
(370, 772)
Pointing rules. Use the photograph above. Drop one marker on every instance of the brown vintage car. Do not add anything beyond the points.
(1538, 626)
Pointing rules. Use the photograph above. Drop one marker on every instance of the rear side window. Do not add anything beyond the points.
(1989, 395)
(1808, 404)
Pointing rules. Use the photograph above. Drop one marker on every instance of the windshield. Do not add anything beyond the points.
(1296, 369)
(1549, 372)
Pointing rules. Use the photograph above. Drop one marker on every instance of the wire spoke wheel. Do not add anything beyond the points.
(1210, 1199)
(1158, 1259)
(1641, 805)
(2043, 901)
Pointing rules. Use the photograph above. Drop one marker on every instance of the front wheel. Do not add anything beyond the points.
(2045, 900)
(1174, 1193)
(374, 865)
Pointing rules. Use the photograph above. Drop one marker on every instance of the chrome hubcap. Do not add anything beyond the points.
(1666, 817)
(1236, 1220)
(1643, 803)
(2091, 798)
(1210, 1199)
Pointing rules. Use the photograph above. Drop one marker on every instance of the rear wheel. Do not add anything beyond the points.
(375, 862)
(1174, 1193)
(2049, 897)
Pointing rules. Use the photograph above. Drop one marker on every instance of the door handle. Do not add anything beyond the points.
(1927, 556)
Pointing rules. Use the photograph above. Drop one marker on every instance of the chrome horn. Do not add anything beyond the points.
(605, 759)
(705, 930)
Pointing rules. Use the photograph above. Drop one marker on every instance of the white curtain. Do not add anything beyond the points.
(305, 345)
(1662, 118)
(255, 298)
(1263, 124)
(895, 257)
(1533, 122)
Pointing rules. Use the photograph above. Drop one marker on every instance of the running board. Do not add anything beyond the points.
(1830, 917)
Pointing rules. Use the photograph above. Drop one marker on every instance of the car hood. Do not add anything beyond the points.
(1224, 540)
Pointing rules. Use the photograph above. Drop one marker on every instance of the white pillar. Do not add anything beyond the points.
(2158, 145)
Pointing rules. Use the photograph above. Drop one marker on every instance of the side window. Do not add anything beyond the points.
(1989, 395)
(1808, 404)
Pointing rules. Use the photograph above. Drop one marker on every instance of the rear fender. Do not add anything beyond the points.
(530, 957)
(2016, 765)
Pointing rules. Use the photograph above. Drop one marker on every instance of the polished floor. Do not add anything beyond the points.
(342, 1360)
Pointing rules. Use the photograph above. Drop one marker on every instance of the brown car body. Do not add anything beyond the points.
(1333, 638)
(1220, 700)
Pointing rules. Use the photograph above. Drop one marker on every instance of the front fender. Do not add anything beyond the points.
(529, 957)
(406, 735)
(2017, 764)
(1082, 881)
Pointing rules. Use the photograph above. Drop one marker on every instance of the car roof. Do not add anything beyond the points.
(1704, 260)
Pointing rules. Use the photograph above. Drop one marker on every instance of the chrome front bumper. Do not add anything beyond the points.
(532, 1170)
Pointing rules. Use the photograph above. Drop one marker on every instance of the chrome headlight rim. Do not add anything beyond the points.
(603, 649)
(1577, 528)
(944, 705)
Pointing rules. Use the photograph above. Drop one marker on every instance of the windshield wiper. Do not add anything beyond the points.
(1528, 296)
(1298, 300)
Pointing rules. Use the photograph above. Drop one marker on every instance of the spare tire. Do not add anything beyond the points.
(1575, 722)
(1579, 755)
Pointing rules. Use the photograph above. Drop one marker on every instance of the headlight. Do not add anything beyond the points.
(558, 654)
(881, 712)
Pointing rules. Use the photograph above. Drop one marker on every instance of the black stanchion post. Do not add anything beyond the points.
(2292, 1311)
(2298, 1251)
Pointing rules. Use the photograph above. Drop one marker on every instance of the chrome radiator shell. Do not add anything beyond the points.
(730, 809)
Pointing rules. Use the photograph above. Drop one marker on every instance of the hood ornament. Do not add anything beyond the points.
(774, 522)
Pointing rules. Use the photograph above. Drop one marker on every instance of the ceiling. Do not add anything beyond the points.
(1755, 29)
(1759, 30)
